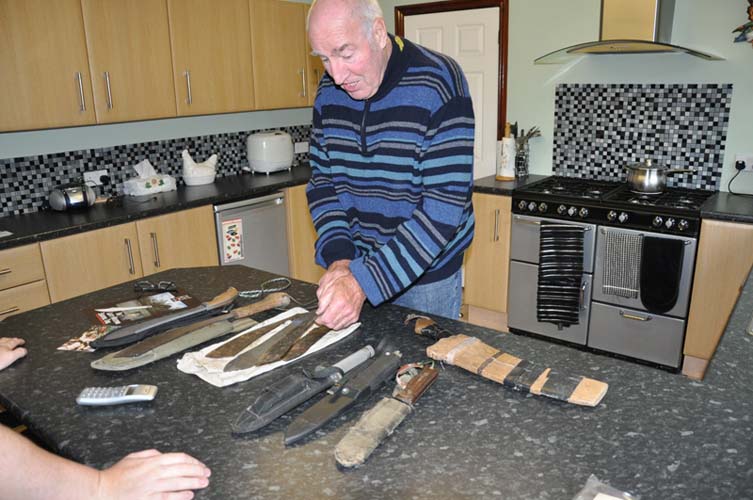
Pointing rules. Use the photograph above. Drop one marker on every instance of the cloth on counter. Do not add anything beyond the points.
(622, 263)
(210, 369)
(560, 273)
(661, 270)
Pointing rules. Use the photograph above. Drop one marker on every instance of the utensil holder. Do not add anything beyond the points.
(521, 160)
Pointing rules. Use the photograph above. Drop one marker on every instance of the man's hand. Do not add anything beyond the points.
(149, 473)
(10, 351)
(340, 297)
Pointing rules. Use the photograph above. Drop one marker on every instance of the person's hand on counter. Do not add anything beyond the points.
(11, 350)
(340, 297)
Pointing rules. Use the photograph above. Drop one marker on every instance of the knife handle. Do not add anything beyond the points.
(222, 299)
(277, 299)
(373, 376)
(416, 386)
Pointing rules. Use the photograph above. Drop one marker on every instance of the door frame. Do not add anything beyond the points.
(451, 5)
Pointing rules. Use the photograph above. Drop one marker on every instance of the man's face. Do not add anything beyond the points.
(354, 61)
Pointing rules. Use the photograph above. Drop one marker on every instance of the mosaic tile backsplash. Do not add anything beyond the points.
(26, 182)
(600, 128)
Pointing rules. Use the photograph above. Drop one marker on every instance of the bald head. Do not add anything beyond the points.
(365, 11)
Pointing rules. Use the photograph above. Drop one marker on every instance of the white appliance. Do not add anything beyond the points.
(269, 151)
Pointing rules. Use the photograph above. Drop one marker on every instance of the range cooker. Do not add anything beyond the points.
(638, 256)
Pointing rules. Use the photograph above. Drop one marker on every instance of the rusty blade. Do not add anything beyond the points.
(282, 339)
(302, 344)
(236, 345)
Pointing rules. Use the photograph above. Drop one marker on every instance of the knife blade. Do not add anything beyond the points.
(304, 343)
(295, 389)
(142, 329)
(361, 386)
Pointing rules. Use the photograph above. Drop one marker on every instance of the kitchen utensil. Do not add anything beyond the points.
(646, 178)
(72, 196)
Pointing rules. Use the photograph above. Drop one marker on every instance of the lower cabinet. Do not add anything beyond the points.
(487, 261)
(301, 237)
(22, 280)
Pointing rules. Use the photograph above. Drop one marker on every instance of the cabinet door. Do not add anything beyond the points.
(44, 78)
(314, 67)
(487, 260)
(278, 31)
(180, 239)
(23, 298)
(129, 56)
(301, 237)
(212, 67)
(90, 261)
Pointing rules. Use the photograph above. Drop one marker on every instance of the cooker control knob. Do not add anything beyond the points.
(522, 204)
(561, 209)
(532, 206)
(670, 223)
(572, 211)
(658, 221)
(612, 215)
(583, 212)
(682, 225)
(623, 217)
(542, 207)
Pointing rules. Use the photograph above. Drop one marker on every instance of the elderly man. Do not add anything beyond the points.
(392, 167)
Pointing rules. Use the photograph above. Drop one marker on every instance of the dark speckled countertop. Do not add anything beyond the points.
(655, 434)
(729, 207)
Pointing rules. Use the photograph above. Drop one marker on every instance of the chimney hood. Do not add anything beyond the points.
(629, 27)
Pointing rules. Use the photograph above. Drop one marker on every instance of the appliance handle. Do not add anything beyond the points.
(635, 317)
(583, 295)
(520, 219)
(275, 198)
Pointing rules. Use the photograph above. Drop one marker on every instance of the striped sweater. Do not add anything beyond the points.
(392, 175)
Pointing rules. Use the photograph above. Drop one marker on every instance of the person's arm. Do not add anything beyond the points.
(29, 472)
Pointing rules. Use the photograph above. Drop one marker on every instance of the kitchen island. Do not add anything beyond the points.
(655, 434)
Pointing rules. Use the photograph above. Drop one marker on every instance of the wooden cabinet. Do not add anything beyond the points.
(279, 51)
(721, 268)
(301, 237)
(212, 62)
(44, 73)
(180, 239)
(85, 262)
(487, 262)
(128, 44)
(314, 67)
(22, 280)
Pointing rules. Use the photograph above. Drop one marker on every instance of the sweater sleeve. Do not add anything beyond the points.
(446, 165)
(334, 240)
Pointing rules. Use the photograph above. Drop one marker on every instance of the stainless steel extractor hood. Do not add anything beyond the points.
(629, 27)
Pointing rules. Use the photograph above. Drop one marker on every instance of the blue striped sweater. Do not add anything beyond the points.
(392, 175)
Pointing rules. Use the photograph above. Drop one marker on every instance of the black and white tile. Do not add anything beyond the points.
(25, 182)
(600, 128)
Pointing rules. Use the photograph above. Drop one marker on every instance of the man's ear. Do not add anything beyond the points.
(379, 32)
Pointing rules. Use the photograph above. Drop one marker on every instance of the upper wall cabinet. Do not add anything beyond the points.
(212, 63)
(129, 56)
(314, 66)
(44, 74)
(278, 40)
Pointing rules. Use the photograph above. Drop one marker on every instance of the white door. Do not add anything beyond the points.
(471, 37)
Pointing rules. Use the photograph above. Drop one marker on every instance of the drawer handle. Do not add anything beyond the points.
(7, 270)
(131, 267)
(155, 249)
(9, 310)
(634, 316)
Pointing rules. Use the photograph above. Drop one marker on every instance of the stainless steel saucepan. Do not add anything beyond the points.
(646, 178)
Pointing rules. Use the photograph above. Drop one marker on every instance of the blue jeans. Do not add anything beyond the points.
(441, 298)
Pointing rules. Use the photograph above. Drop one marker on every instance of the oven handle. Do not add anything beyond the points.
(538, 223)
(583, 286)
(634, 316)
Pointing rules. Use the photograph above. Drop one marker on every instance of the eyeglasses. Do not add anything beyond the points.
(148, 286)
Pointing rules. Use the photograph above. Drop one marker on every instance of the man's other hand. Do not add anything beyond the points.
(10, 350)
(340, 297)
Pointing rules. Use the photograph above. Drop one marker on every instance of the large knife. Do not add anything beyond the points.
(361, 386)
(137, 331)
(295, 389)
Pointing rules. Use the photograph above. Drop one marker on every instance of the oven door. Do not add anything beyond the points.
(524, 240)
(680, 308)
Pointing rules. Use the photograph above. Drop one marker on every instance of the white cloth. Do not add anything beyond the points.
(210, 369)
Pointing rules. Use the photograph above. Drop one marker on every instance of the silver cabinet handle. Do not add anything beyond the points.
(109, 90)
(634, 316)
(155, 249)
(188, 86)
(131, 267)
(496, 225)
(303, 81)
(7, 270)
(82, 102)
(9, 310)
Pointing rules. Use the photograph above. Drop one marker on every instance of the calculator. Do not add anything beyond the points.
(101, 396)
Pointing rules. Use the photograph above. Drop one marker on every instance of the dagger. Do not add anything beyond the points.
(336, 402)
(143, 329)
(295, 389)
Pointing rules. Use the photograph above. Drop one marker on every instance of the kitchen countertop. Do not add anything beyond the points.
(490, 185)
(656, 434)
(729, 207)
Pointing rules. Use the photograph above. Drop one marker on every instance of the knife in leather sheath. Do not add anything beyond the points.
(138, 331)
(380, 421)
(334, 403)
(287, 393)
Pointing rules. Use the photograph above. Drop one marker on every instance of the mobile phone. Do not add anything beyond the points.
(101, 396)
